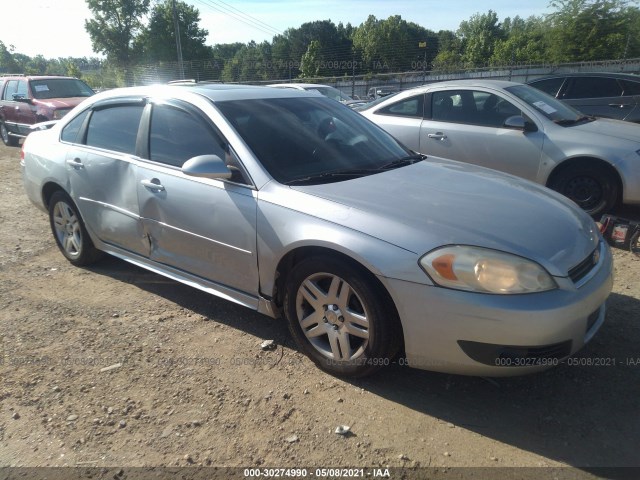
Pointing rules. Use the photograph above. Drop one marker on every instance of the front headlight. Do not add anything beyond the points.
(484, 270)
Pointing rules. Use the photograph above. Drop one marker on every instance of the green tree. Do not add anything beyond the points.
(334, 48)
(8, 63)
(524, 42)
(310, 64)
(582, 30)
(479, 35)
(157, 41)
(449, 56)
(115, 25)
(249, 64)
(393, 44)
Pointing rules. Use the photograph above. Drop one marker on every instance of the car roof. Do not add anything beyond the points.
(213, 91)
(463, 83)
(622, 76)
(298, 85)
(36, 77)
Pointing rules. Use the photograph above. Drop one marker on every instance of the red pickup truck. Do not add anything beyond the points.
(26, 100)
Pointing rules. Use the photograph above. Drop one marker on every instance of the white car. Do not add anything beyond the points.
(520, 130)
(325, 90)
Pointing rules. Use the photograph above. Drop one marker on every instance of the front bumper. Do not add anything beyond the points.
(499, 335)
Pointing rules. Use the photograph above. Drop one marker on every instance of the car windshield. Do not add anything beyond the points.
(545, 104)
(312, 139)
(60, 88)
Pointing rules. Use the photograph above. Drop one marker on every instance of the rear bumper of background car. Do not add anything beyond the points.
(499, 335)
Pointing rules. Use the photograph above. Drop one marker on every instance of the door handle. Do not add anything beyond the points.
(154, 185)
(437, 136)
(75, 163)
(620, 105)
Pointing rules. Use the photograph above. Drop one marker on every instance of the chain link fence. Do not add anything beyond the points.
(360, 85)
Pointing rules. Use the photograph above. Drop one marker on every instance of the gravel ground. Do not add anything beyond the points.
(112, 366)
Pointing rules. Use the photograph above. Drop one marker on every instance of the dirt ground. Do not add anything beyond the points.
(189, 384)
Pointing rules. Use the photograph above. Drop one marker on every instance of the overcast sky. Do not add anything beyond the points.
(55, 28)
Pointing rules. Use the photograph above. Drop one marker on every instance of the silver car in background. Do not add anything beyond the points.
(326, 90)
(520, 130)
(290, 204)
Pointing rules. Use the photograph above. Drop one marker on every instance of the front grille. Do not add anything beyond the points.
(581, 270)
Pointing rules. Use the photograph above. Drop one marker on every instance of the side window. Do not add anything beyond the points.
(550, 85)
(409, 107)
(442, 106)
(22, 90)
(493, 110)
(593, 87)
(630, 88)
(12, 87)
(176, 135)
(115, 128)
(71, 129)
(459, 106)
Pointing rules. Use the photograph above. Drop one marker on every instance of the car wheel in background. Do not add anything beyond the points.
(69, 231)
(340, 318)
(7, 139)
(592, 187)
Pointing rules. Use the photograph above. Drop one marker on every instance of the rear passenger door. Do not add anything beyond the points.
(101, 164)
(599, 96)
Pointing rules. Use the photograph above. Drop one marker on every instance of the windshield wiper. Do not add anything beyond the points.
(568, 121)
(401, 162)
(357, 172)
(349, 172)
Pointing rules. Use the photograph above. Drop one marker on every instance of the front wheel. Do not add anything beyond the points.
(8, 140)
(592, 187)
(69, 231)
(340, 318)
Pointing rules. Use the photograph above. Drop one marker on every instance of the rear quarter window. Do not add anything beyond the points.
(71, 129)
(550, 85)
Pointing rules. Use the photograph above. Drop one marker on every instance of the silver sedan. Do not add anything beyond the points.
(292, 204)
(520, 130)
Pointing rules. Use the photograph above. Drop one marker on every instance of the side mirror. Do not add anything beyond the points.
(17, 97)
(518, 122)
(206, 166)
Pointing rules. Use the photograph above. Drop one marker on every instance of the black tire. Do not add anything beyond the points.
(592, 187)
(69, 231)
(350, 309)
(7, 139)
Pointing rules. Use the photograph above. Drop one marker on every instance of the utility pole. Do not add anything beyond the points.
(178, 44)
(424, 63)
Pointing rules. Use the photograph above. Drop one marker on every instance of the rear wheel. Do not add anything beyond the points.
(592, 187)
(340, 318)
(69, 231)
(8, 140)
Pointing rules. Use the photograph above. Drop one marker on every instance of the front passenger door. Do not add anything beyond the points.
(204, 227)
(468, 126)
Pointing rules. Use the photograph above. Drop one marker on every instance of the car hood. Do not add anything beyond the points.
(61, 102)
(441, 202)
(611, 128)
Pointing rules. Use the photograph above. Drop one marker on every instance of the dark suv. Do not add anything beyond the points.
(25, 100)
(610, 95)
